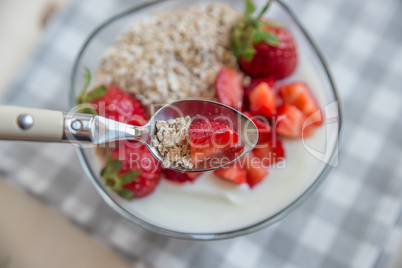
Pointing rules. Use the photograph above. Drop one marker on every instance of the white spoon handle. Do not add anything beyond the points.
(20, 123)
(27, 124)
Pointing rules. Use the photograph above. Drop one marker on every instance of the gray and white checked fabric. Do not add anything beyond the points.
(351, 221)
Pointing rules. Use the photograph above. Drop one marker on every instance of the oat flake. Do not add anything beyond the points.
(173, 55)
(172, 141)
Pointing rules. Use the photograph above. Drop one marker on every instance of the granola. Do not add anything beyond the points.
(172, 141)
(173, 55)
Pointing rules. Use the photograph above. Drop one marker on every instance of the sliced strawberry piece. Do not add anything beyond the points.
(264, 129)
(254, 168)
(290, 120)
(248, 114)
(256, 81)
(233, 173)
(229, 89)
(202, 132)
(234, 152)
(194, 175)
(263, 100)
(210, 139)
(270, 152)
(299, 95)
(180, 177)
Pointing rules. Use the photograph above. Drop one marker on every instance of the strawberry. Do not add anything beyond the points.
(135, 174)
(264, 129)
(209, 139)
(290, 120)
(180, 177)
(113, 103)
(263, 48)
(270, 152)
(256, 81)
(299, 95)
(249, 170)
(120, 106)
(263, 100)
(255, 171)
(235, 151)
(233, 173)
(229, 89)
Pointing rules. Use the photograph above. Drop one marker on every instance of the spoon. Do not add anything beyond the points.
(27, 124)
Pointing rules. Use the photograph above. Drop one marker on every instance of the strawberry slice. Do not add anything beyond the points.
(264, 129)
(233, 173)
(254, 168)
(256, 81)
(263, 100)
(209, 139)
(299, 95)
(180, 177)
(270, 152)
(229, 89)
(290, 120)
(235, 151)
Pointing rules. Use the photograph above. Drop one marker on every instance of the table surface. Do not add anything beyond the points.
(21, 28)
(38, 230)
(351, 221)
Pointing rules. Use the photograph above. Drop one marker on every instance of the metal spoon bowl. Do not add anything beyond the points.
(18, 123)
(200, 110)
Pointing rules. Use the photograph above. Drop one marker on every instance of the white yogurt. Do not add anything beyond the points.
(212, 205)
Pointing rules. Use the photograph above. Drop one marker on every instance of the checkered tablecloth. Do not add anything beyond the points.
(351, 221)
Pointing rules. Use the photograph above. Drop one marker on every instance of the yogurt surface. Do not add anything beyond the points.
(212, 205)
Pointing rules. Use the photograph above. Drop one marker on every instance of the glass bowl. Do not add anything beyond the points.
(312, 68)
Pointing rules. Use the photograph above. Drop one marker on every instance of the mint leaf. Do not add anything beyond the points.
(249, 9)
(129, 176)
(96, 93)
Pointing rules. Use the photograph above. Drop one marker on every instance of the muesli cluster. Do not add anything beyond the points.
(172, 141)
